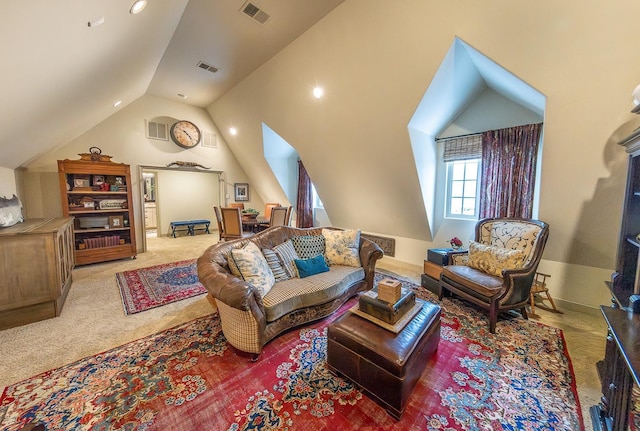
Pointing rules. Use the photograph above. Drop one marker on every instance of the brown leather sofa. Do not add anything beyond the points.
(246, 321)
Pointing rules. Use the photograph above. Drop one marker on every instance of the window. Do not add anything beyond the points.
(317, 203)
(463, 184)
(462, 156)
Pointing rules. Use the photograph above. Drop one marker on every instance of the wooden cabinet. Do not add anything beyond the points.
(619, 369)
(97, 193)
(36, 264)
(626, 280)
(150, 215)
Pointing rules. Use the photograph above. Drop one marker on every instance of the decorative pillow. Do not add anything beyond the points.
(493, 260)
(249, 264)
(311, 266)
(274, 265)
(287, 254)
(342, 247)
(308, 246)
(10, 211)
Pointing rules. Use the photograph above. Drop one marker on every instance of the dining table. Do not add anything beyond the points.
(253, 224)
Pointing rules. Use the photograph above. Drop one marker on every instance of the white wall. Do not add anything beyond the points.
(7, 182)
(185, 196)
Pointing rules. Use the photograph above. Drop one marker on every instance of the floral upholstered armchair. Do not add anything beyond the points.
(498, 270)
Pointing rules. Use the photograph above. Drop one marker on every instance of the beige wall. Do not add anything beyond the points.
(375, 59)
(122, 136)
(7, 182)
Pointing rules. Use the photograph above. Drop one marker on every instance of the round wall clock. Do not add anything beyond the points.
(185, 134)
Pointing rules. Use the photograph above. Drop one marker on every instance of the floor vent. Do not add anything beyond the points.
(205, 66)
(255, 13)
(388, 245)
(154, 130)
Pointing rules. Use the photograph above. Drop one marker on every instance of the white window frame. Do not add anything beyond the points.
(317, 203)
(449, 197)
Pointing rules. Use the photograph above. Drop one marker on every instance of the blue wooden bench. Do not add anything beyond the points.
(190, 226)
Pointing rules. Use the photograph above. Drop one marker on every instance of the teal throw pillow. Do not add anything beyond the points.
(314, 265)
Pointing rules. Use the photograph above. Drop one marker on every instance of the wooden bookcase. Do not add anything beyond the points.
(97, 193)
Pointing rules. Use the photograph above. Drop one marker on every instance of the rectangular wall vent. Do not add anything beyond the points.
(205, 66)
(255, 13)
(209, 140)
(154, 130)
(388, 245)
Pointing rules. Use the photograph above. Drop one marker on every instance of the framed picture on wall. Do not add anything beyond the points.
(241, 192)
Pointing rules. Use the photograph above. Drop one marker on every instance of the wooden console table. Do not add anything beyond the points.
(618, 371)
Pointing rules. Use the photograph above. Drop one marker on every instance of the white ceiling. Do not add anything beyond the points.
(59, 76)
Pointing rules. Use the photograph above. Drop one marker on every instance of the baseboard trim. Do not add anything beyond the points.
(580, 308)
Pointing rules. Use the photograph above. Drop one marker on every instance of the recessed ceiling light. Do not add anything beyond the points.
(318, 92)
(137, 6)
(233, 131)
(118, 103)
(182, 96)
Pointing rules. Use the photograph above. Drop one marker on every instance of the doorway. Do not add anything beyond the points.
(175, 194)
(150, 206)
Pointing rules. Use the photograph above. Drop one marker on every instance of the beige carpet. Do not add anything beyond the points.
(93, 320)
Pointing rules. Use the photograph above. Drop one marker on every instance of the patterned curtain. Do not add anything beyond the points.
(304, 207)
(509, 171)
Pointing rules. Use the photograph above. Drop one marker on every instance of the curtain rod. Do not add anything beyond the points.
(480, 133)
(459, 136)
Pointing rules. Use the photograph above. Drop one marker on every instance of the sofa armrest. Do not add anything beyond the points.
(518, 282)
(458, 257)
(226, 287)
(370, 252)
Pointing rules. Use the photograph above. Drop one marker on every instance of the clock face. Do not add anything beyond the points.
(185, 134)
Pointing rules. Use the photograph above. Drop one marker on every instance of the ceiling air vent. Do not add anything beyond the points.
(255, 13)
(205, 66)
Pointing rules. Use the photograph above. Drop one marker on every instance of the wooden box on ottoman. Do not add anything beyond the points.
(385, 365)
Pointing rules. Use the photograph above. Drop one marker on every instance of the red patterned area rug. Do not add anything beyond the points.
(146, 288)
(189, 378)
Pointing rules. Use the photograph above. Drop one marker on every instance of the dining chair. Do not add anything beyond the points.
(268, 207)
(278, 216)
(236, 205)
(288, 218)
(216, 210)
(232, 220)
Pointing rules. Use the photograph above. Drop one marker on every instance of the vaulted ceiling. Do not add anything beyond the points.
(66, 63)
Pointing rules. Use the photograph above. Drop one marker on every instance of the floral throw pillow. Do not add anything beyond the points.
(493, 260)
(249, 264)
(342, 247)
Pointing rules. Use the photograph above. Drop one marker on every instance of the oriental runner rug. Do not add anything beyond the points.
(146, 288)
(189, 378)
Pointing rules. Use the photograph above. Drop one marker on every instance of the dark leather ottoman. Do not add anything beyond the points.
(385, 365)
